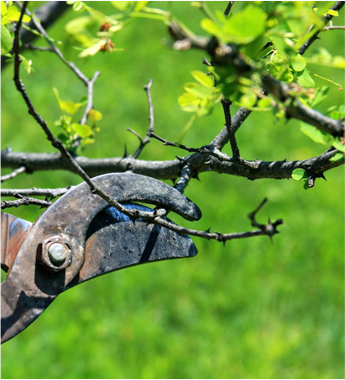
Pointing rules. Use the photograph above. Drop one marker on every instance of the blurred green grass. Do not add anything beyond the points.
(250, 309)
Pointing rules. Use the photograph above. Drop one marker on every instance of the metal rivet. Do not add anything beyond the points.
(57, 253)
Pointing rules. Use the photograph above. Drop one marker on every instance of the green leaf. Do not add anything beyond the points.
(13, 14)
(315, 134)
(304, 79)
(298, 63)
(27, 64)
(264, 103)
(6, 40)
(121, 5)
(245, 26)
(320, 95)
(338, 144)
(95, 115)
(299, 174)
(78, 25)
(198, 90)
(203, 78)
(92, 50)
(241, 28)
(3, 8)
(139, 5)
(69, 106)
(333, 13)
(87, 141)
(83, 130)
(337, 157)
(187, 99)
(247, 100)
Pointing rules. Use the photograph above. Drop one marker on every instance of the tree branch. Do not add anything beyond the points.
(25, 201)
(48, 13)
(48, 193)
(14, 174)
(336, 7)
(171, 169)
(297, 110)
(150, 129)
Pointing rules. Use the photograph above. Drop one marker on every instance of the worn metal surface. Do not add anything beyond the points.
(13, 232)
(114, 242)
(29, 288)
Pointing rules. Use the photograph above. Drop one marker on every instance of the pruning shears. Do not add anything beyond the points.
(81, 237)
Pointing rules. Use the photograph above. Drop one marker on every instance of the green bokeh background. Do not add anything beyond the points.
(249, 309)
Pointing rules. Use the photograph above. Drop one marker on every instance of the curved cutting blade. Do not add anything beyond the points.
(114, 242)
(29, 288)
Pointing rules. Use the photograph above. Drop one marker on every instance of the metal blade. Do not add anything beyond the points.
(114, 242)
(13, 232)
(29, 288)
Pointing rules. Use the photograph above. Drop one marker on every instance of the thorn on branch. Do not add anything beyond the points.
(268, 229)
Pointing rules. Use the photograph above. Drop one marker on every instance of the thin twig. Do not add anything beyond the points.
(333, 27)
(14, 174)
(25, 201)
(71, 65)
(49, 193)
(231, 133)
(150, 128)
(174, 144)
(228, 8)
(269, 230)
(30, 46)
(89, 104)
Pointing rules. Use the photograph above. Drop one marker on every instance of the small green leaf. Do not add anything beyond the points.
(320, 95)
(338, 144)
(187, 99)
(241, 28)
(95, 115)
(333, 13)
(299, 174)
(27, 64)
(245, 26)
(78, 25)
(121, 5)
(83, 130)
(315, 134)
(3, 8)
(92, 50)
(337, 157)
(6, 40)
(69, 106)
(13, 15)
(264, 103)
(247, 100)
(202, 78)
(304, 79)
(198, 90)
(298, 63)
(87, 140)
(140, 5)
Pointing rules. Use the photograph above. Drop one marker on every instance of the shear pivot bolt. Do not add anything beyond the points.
(57, 253)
